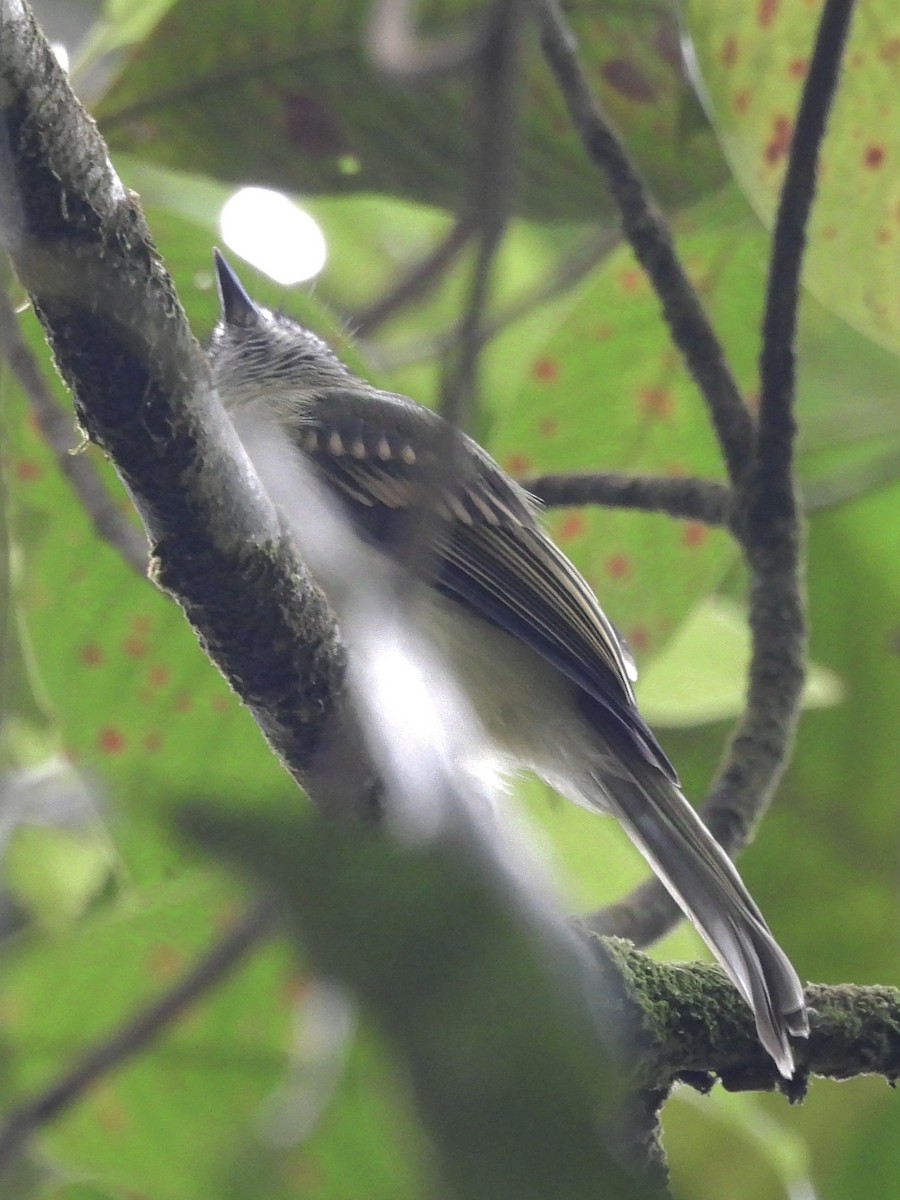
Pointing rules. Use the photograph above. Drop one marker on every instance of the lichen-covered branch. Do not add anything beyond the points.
(81, 248)
(693, 1027)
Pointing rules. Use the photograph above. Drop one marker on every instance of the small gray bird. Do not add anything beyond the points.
(544, 670)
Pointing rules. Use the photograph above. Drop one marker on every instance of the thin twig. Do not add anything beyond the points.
(58, 428)
(646, 230)
(567, 272)
(688, 499)
(416, 281)
(766, 520)
(496, 98)
(138, 1032)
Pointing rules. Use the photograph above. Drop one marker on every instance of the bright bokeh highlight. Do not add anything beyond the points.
(273, 234)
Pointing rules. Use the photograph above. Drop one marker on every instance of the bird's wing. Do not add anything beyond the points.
(489, 552)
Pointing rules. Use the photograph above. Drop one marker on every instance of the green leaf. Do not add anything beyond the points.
(753, 59)
(161, 1124)
(55, 873)
(286, 95)
(701, 675)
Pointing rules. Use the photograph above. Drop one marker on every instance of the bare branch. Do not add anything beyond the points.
(766, 515)
(137, 1033)
(80, 246)
(767, 523)
(688, 499)
(492, 190)
(646, 230)
(59, 432)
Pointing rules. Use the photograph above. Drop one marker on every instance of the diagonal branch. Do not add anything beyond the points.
(646, 230)
(81, 248)
(766, 521)
(137, 1033)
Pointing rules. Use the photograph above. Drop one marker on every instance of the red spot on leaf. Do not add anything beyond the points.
(295, 989)
(675, 469)
(110, 740)
(603, 333)
(547, 426)
(91, 654)
(626, 77)
(545, 368)
(630, 280)
(152, 741)
(638, 638)
(780, 141)
(158, 675)
(219, 704)
(28, 471)
(164, 961)
(890, 50)
(741, 101)
(571, 526)
(883, 236)
(857, 59)
(618, 566)
(517, 464)
(729, 51)
(656, 402)
(797, 68)
(765, 13)
(694, 534)
(112, 1116)
(829, 233)
(142, 623)
(874, 157)
(183, 702)
(134, 647)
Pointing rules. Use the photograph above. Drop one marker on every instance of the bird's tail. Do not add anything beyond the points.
(703, 881)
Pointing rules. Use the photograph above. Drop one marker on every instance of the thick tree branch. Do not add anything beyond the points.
(81, 248)
(693, 1027)
(689, 1026)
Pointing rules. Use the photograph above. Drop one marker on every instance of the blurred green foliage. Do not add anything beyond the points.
(103, 670)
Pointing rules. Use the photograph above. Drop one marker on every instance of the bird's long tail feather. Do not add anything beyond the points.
(704, 882)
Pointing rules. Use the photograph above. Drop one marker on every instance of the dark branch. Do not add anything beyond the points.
(492, 188)
(693, 1026)
(766, 521)
(136, 1034)
(141, 385)
(683, 498)
(646, 230)
(58, 429)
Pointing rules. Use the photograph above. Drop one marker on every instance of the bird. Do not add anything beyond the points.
(547, 674)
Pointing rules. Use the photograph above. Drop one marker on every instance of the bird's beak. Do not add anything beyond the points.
(237, 307)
